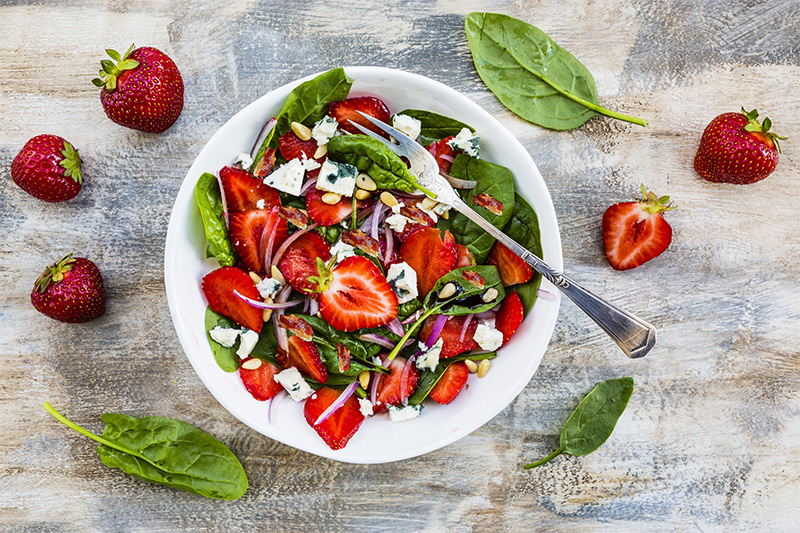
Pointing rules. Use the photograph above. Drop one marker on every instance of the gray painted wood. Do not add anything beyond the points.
(710, 439)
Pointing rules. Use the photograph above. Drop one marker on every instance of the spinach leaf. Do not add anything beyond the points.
(435, 127)
(467, 300)
(307, 103)
(406, 309)
(330, 233)
(327, 337)
(494, 180)
(524, 228)
(593, 420)
(533, 76)
(168, 452)
(209, 202)
(429, 378)
(226, 358)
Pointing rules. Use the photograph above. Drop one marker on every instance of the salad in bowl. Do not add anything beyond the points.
(336, 306)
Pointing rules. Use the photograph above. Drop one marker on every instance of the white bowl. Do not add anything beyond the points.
(378, 440)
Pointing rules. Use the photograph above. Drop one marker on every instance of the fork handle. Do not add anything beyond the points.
(635, 336)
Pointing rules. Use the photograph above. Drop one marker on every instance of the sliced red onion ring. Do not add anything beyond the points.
(376, 379)
(307, 185)
(306, 305)
(224, 201)
(376, 219)
(437, 328)
(459, 183)
(313, 307)
(404, 376)
(273, 406)
(337, 403)
(293, 237)
(261, 137)
(265, 305)
(268, 236)
(396, 327)
(380, 340)
(447, 157)
(413, 317)
(280, 333)
(465, 327)
(389, 245)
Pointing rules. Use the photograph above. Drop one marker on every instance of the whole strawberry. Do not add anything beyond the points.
(143, 90)
(49, 168)
(736, 148)
(70, 290)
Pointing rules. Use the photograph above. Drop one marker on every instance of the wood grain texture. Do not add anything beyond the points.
(710, 438)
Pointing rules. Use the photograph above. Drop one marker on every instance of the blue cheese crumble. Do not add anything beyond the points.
(401, 414)
(403, 281)
(249, 338)
(339, 178)
(342, 251)
(244, 160)
(430, 359)
(408, 125)
(224, 336)
(268, 287)
(365, 406)
(467, 142)
(297, 387)
(287, 177)
(324, 130)
(488, 338)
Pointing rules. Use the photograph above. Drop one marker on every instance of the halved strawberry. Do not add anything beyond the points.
(328, 215)
(464, 257)
(218, 286)
(291, 146)
(259, 381)
(346, 110)
(343, 423)
(243, 191)
(430, 256)
(512, 268)
(441, 148)
(509, 316)
(450, 384)
(246, 230)
(304, 356)
(389, 391)
(452, 344)
(300, 261)
(355, 295)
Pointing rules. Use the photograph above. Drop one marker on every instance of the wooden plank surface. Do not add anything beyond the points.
(710, 439)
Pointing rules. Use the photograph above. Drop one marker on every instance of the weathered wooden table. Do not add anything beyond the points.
(710, 439)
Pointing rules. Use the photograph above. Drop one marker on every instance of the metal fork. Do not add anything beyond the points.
(635, 336)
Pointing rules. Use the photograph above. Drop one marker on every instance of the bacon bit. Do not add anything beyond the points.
(362, 241)
(344, 357)
(416, 214)
(474, 278)
(488, 202)
(295, 216)
(265, 164)
(297, 325)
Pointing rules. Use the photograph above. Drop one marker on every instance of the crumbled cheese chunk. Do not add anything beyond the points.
(324, 129)
(467, 142)
(365, 406)
(224, 336)
(249, 338)
(339, 178)
(398, 222)
(440, 209)
(430, 359)
(408, 125)
(396, 208)
(244, 160)
(261, 203)
(377, 361)
(430, 212)
(401, 414)
(488, 338)
(287, 177)
(309, 164)
(342, 251)
(403, 281)
(295, 385)
(268, 287)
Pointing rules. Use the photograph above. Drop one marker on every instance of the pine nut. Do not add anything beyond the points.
(489, 295)
(483, 368)
(266, 314)
(331, 198)
(472, 366)
(255, 277)
(363, 379)
(251, 364)
(447, 291)
(446, 215)
(277, 275)
(366, 182)
(428, 203)
(361, 194)
(388, 199)
(302, 132)
(321, 151)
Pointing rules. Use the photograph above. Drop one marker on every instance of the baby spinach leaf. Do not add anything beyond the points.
(524, 228)
(168, 452)
(593, 420)
(467, 300)
(406, 309)
(209, 202)
(494, 180)
(307, 103)
(329, 233)
(226, 358)
(429, 378)
(435, 127)
(533, 76)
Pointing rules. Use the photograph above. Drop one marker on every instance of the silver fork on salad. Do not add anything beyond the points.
(635, 336)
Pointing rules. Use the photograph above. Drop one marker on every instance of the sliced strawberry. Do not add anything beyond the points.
(259, 381)
(292, 147)
(246, 230)
(328, 215)
(345, 110)
(299, 261)
(218, 286)
(452, 344)
(243, 191)
(343, 423)
(509, 316)
(304, 356)
(464, 257)
(430, 256)
(512, 268)
(389, 391)
(441, 148)
(450, 384)
(265, 164)
(356, 295)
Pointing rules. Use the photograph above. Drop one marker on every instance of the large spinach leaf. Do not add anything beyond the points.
(209, 202)
(226, 358)
(435, 127)
(429, 378)
(531, 75)
(494, 180)
(524, 228)
(168, 452)
(307, 103)
(593, 420)
(467, 300)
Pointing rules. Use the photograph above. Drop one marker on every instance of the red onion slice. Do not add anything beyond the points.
(389, 245)
(273, 406)
(465, 327)
(459, 183)
(265, 305)
(376, 379)
(337, 403)
(404, 376)
(413, 317)
(313, 307)
(224, 200)
(293, 237)
(447, 157)
(376, 219)
(262, 135)
(280, 333)
(307, 185)
(380, 340)
(437, 328)
(396, 327)
(267, 241)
